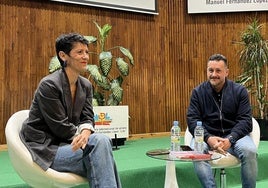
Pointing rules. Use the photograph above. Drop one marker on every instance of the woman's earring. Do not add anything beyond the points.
(64, 63)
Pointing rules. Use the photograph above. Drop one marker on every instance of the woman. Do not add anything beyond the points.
(60, 127)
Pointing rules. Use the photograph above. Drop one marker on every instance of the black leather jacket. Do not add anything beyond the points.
(231, 117)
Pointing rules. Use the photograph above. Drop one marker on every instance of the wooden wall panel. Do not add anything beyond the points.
(170, 51)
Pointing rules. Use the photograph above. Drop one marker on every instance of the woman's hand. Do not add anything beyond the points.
(80, 141)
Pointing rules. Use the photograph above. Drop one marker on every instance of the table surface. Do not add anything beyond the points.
(164, 154)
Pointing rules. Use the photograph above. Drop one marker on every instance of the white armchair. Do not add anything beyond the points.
(228, 161)
(22, 162)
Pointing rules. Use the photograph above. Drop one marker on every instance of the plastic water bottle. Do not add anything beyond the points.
(199, 137)
(175, 137)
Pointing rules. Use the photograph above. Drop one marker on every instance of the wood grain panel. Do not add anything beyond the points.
(170, 52)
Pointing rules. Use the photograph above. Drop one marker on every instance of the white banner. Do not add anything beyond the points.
(213, 6)
(142, 6)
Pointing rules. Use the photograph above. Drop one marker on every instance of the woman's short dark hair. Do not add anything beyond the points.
(218, 57)
(65, 43)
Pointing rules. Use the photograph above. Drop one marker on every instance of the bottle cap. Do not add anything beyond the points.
(199, 123)
(176, 123)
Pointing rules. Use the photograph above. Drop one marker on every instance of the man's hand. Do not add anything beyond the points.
(80, 141)
(226, 144)
(219, 144)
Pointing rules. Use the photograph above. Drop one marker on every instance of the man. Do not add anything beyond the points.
(223, 107)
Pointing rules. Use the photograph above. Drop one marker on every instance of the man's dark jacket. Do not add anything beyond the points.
(231, 117)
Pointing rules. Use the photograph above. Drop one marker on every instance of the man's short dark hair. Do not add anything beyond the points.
(218, 57)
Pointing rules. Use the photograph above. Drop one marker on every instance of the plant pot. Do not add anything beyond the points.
(263, 123)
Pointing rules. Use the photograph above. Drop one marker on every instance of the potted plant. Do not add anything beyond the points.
(253, 60)
(108, 82)
(107, 76)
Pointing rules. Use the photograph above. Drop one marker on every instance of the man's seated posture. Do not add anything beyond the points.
(224, 108)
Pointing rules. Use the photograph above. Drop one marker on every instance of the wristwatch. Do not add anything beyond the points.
(231, 139)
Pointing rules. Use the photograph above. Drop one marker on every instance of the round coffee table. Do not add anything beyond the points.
(186, 156)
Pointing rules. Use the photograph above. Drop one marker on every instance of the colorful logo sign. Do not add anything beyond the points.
(102, 119)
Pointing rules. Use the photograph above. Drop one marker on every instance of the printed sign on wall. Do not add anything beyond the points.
(213, 6)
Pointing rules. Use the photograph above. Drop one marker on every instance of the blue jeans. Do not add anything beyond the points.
(96, 162)
(246, 151)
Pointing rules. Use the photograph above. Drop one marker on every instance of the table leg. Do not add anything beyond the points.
(171, 179)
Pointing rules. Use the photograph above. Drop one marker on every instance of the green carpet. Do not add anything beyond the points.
(139, 171)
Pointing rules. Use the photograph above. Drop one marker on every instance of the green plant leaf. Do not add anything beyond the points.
(117, 91)
(94, 72)
(127, 53)
(105, 31)
(99, 79)
(111, 101)
(54, 64)
(103, 34)
(105, 62)
(98, 99)
(95, 102)
(91, 39)
(98, 27)
(120, 80)
(122, 66)
(104, 83)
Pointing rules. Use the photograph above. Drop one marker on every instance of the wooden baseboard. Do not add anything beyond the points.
(149, 135)
(3, 147)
